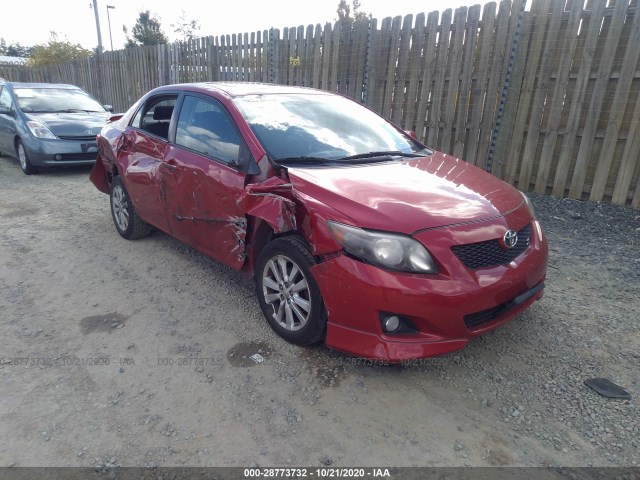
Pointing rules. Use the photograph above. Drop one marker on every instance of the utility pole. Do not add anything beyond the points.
(98, 57)
(95, 10)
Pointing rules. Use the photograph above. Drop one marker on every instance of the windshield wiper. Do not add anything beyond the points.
(302, 160)
(73, 110)
(384, 153)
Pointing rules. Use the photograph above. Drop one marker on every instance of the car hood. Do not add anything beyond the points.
(411, 195)
(83, 124)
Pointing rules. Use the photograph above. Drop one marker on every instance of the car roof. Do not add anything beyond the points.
(238, 89)
(43, 85)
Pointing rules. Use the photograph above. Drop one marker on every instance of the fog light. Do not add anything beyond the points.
(58, 156)
(391, 324)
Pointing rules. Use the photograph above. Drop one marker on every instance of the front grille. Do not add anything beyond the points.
(70, 157)
(81, 138)
(489, 253)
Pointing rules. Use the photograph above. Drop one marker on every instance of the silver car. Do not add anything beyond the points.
(49, 125)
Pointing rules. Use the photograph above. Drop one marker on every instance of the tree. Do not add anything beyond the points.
(185, 29)
(146, 31)
(56, 51)
(344, 11)
(14, 49)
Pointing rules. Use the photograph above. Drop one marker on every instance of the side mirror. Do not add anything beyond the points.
(411, 133)
(115, 118)
(109, 108)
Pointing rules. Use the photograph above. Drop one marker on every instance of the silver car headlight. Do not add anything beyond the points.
(40, 130)
(386, 250)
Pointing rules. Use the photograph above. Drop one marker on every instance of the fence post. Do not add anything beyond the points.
(89, 71)
(212, 57)
(505, 89)
(99, 77)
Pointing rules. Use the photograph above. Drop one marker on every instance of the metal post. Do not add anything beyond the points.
(367, 64)
(110, 7)
(272, 56)
(505, 88)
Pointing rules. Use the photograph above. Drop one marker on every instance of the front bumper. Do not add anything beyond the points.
(58, 152)
(356, 295)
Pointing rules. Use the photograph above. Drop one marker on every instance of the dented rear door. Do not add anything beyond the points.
(141, 157)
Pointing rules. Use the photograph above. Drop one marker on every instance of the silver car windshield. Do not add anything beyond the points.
(315, 128)
(49, 100)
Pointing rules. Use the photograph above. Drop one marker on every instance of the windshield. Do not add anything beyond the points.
(46, 100)
(317, 129)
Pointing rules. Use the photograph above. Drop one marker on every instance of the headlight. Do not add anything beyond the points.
(530, 205)
(386, 250)
(39, 129)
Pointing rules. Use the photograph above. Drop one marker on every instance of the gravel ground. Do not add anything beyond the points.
(137, 354)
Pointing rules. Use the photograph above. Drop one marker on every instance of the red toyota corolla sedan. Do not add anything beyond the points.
(355, 233)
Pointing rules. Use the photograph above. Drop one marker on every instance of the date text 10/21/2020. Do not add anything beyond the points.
(326, 472)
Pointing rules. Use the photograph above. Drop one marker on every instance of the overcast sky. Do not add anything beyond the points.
(30, 21)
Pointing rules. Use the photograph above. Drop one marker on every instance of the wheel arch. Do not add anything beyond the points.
(17, 139)
(260, 234)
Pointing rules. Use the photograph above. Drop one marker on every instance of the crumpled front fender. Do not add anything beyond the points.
(267, 201)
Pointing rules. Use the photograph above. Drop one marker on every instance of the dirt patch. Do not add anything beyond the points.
(102, 323)
(139, 354)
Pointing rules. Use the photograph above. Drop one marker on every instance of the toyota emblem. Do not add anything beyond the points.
(510, 239)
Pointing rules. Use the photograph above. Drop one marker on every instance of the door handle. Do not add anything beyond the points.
(170, 165)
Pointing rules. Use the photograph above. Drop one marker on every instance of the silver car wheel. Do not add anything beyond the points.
(22, 156)
(120, 208)
(286, 290)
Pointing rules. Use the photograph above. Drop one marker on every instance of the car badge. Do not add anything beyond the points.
(89, 132)
(509, 240)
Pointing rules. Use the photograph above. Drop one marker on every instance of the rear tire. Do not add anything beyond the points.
(23, 157)
(288, 294)
(125, 217)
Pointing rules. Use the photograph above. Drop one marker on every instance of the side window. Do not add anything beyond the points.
(155, 116)
(5, 99)
(205, 127)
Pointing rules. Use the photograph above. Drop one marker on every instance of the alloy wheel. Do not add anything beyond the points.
(120, 208)
(286, 290)
(22, 156)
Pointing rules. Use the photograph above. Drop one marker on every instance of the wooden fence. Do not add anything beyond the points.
(547, 98)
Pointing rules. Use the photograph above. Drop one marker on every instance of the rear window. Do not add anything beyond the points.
(155, 115)
(55, 100)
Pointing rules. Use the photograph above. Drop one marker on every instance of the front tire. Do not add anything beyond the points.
(288, 294)
(125, 217)
(23, 157)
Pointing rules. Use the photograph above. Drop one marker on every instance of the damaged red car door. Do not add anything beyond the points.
(144, 146)
(201, 182)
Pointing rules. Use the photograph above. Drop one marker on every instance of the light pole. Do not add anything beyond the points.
(110, 7)
(95, 10)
